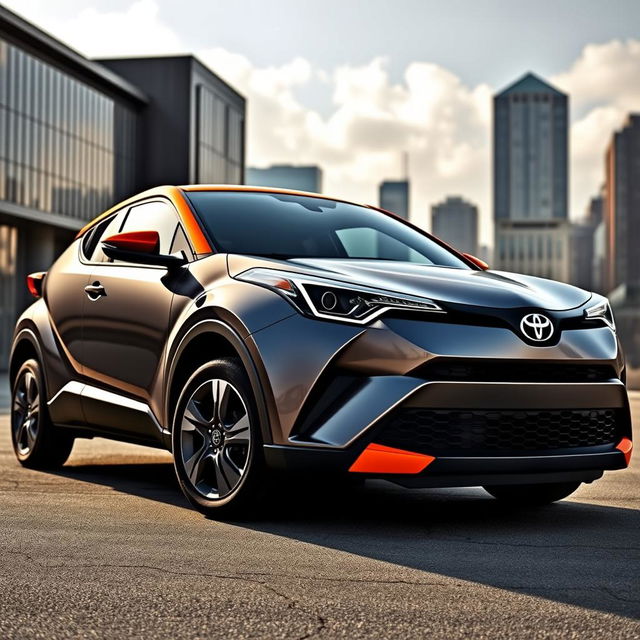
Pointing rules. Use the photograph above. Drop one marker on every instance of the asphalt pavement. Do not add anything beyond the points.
(108, 548)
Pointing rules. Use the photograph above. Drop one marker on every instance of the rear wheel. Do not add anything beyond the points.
(37, 443)
(532, 494)
(217, 448)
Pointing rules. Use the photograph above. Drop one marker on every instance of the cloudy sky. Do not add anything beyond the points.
(350, 84)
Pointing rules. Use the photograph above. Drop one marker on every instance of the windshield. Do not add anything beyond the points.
(289, 226)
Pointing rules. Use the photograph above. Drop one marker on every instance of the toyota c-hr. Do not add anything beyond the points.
(254, 330)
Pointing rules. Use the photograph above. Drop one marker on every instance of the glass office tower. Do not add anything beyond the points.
(530, 177)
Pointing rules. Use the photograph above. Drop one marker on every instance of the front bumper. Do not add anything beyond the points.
(471, 467)
(455, 471)
(335, 388)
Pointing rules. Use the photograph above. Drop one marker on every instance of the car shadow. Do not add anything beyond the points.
(571, 552)
(150, 480)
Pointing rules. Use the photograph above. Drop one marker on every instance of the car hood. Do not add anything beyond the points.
(460, 286)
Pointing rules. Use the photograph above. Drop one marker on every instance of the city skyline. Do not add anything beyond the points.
(352, 116)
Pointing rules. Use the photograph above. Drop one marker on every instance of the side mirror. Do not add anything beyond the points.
(479, 263)
(140, 247)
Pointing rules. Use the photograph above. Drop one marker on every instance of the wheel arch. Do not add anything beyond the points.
(25, 346)
(208, 339)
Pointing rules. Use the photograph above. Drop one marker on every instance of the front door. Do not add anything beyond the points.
(126, 319)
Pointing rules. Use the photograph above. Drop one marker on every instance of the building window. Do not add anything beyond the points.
(219, 139)
(60, 140)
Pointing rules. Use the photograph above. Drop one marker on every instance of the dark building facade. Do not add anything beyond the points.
(622, 206)
(193, 127)
(394, 196)
(530, 146)
(76, 137)
(622, 238)
(456, 222)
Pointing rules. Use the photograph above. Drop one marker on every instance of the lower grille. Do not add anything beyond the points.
(519, 371)
(436, 431)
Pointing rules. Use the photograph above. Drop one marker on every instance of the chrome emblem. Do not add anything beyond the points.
(536, 327)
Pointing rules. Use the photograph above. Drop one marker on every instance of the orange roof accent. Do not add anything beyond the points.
(626, 446)
(176, 195)
(377, 458)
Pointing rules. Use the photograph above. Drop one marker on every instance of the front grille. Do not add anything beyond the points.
(478, 432)
(518, 371)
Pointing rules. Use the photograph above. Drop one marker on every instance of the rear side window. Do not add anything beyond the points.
(181, 244)
(91, 244)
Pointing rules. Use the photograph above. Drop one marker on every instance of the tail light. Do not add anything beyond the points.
(35, 282)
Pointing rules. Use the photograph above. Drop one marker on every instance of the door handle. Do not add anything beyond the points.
(95, 291)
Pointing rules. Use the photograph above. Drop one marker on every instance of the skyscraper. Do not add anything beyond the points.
(394, 197)
(456, 222)
(531, 178)
(287, 176)
(622, 206)
(622, 237)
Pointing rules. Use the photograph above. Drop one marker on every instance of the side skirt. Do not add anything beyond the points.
(97, 411)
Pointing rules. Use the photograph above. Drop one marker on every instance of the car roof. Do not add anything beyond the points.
(250, 188)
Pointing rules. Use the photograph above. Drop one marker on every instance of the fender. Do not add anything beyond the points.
(213, 325)
(28, 334)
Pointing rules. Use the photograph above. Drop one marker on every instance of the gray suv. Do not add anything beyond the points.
(251, 331)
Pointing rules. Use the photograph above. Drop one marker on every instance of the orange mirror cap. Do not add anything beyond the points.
(35, 282)
(138, 241)
(479, 263)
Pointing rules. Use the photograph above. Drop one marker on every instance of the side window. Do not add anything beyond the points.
(180, 243)
(153, 216)
(91, 245)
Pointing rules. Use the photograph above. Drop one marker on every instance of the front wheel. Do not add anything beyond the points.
(217, 448)
(532, 494)
(37, 443)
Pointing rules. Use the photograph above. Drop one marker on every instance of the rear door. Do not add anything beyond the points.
(126, 318)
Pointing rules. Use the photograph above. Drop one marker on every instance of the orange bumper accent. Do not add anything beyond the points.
(377, 458)
(626, 446)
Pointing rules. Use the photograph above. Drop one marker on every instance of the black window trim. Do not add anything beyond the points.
(127, 210)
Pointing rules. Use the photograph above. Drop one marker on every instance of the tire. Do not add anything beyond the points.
(532, 494)
(37, 443)
(216, 441)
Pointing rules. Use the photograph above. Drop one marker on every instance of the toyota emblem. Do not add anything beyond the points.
(536, 327)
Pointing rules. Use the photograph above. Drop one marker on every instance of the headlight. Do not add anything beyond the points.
(333, 300)
(601, 311)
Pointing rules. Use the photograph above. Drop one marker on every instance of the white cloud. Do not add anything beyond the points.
(607, 73)
(136, 30)
(604, 86)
